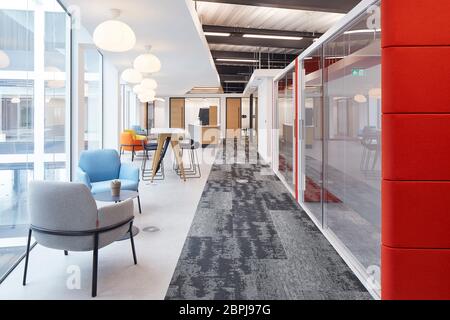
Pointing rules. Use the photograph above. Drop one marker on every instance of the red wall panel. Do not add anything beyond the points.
(419, 206)
(415, 22)
(416, 147)
(415, 273)
(415, 260)
(417, 79)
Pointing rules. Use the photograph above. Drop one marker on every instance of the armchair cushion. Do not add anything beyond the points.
(111, 215)
(128, 172)
(100, 165)
(83, 177)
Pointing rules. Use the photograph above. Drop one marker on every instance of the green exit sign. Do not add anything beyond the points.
(358, 72)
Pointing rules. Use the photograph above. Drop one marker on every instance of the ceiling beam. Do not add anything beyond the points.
(338, 6)
(236, 37)
(237, 31)
(276, 57)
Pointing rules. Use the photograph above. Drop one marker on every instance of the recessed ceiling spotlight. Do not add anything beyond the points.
(268, 36)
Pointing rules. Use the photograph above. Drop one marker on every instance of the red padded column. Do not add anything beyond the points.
(415, 260)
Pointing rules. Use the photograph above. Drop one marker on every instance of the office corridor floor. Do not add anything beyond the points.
(250, 240)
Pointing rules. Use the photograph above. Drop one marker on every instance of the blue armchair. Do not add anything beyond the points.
(97, 168)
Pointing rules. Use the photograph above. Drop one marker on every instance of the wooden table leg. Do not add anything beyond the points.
(176, 150)
(157, 157)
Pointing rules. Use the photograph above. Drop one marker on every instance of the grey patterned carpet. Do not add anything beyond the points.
(250, 240)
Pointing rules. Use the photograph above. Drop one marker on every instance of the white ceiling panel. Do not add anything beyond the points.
(265, 18)
(173, 30)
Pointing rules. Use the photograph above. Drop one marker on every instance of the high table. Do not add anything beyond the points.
(174, 134)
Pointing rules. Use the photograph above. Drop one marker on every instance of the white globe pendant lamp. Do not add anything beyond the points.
(131, 76)
(137, 89)
(15, 100)
(147, 62)
(113, 35)
(4, 60)
(146, 97)
(149, 83)
(360, 98)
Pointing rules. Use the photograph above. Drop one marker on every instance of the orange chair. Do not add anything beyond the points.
(129, 142)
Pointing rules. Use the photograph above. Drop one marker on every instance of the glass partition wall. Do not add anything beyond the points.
(284, 130)
(35, 110)
(340, 162)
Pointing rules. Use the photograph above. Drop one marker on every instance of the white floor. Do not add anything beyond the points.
(169, 205)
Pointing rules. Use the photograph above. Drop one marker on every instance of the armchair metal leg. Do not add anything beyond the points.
(139, 204)
(95, 266)
(26, 258)
(132, 242)
(66, 253)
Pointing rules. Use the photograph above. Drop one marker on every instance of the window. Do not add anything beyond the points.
(93, 95)
(35, 108)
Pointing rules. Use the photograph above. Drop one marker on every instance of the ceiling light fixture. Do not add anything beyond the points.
(113, 35)
(137, 89)
(217, 34)
(268, 36)
(148, 83)
(362, 31)
(147, 62)
(131, 76)
(237, 60)
(4, 60)
(360, 98)
(15, 100)
(147, 96)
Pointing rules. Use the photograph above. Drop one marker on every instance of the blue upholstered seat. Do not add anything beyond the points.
(97, 168)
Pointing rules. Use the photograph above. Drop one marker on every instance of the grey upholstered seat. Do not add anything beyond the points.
(64, 216)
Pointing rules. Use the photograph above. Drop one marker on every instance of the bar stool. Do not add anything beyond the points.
(193, 171)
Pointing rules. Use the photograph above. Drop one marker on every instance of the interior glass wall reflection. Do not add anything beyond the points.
(352, 97)
(341, 152)
(312, 148)
(34, 95)
(285, 113)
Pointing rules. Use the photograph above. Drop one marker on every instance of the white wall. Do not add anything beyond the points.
(111, 106)
(265, 115)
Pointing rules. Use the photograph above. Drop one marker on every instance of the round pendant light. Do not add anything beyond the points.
(15, 100)
(113, 35)
(148, 83)
(147, 96)
(137, 89)
(147, 62)
(131, 76)
(360, 98)
(4, 60)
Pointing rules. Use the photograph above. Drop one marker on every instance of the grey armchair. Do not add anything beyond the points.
(64, 216)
